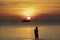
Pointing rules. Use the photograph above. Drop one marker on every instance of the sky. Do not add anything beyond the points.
(40, 9)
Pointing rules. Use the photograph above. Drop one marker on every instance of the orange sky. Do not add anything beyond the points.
(45, 10)
(17, 7)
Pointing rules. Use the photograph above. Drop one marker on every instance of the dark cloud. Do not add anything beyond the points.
(48, 17)
(41, 18)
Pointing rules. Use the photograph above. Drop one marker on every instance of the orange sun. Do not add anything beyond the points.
(28, 18)
(28, 13)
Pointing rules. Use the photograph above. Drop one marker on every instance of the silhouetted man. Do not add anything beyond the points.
(36, 33)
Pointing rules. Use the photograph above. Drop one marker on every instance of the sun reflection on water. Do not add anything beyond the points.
(27, 32)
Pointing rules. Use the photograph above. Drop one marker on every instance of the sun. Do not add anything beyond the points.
(28, 18)
(28, 11)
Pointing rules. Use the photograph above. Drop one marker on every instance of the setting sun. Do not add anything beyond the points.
(28, 18)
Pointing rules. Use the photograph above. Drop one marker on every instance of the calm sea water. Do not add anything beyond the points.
(26, 32)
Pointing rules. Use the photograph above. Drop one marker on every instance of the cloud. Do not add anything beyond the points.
(18, 2)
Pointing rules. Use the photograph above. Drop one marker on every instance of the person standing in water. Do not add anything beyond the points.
(36, 33)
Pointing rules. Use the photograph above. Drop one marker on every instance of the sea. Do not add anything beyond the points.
(26, 32)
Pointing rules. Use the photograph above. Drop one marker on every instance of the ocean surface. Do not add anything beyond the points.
(26, 32)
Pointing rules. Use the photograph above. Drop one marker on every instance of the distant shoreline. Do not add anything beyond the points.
(30, 23)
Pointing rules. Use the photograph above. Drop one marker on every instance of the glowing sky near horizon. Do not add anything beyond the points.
(42, 6)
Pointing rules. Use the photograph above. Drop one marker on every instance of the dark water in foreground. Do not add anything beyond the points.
(26, 32)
